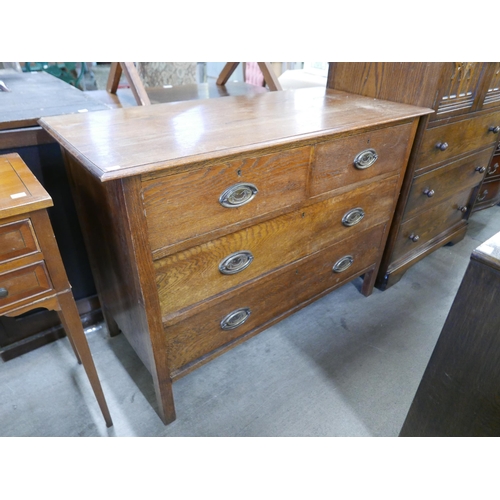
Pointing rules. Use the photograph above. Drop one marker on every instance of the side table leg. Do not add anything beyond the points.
(70, 319)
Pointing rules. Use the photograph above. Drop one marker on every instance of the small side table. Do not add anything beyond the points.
(32, 274)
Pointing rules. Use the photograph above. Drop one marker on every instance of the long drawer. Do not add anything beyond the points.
(344, 161)
(418, 231)
(23, 283)
(266, 299)
(196, 274)
(446, 141)
(185, 205)
(433, 187)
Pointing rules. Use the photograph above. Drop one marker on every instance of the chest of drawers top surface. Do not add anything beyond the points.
(37, 94)
(125, 142)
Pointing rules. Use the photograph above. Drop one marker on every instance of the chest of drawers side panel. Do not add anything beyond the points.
(112, 218)
(101, 214)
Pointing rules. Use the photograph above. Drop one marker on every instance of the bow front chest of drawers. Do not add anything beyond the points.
(208, 221)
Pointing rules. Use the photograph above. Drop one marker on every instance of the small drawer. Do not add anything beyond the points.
(433, 187)
(494, 168)
(23, 283)
(418, 231)
(447, 141)
(17, 239)
(189, 277)
(352, 159)
(488, 195)
(267, 299)
(182, 206)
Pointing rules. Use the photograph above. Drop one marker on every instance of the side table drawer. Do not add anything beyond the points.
(194, 275)
(435, 186)
(23, 283)
(446, 141)
(334, 162)
(17, 239)
(418, 231)
(267, 299)
(189, 204)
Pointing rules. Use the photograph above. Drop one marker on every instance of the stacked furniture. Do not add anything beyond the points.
(28, 97)
(451, 153)
(208, 221)
(32, 274)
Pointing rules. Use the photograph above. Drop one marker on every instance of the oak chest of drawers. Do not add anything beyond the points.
(208, 221)
(451, 153)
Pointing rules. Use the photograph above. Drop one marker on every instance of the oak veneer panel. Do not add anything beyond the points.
(462, 136)
(445, 181)
(177, 134)
(200, 333)
(188, 203)
(189, 277)
(409, 83)
(17, 239)
(333, 165)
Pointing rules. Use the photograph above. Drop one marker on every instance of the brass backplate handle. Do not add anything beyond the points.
(365, 159)
(343, 263)
(238, 195)
(235, 319)
(236, 262)
(353, 217)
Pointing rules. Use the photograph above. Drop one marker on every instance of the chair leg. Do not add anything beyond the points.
(74, 330)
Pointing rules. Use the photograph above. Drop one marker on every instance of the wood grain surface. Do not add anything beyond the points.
(125, 142)
(189, 277)
(269, 298)
(333, 165)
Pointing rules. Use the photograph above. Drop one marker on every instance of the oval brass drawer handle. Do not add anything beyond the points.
(414, 237)
(481, 170)
(493, 169)
(493, 129)
(443, 146)
(236, 262)
(235, 319)
(353, 217)
(3, 293)
(365, 159)
(484, 193)
(238, 195)
(343, 263)
(429, 192)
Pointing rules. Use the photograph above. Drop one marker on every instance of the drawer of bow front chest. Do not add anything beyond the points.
(433, 187)
(17, 239)
(351, 159)
(206, 270)
(23, 283)
(229, 317)
(488, 195)
(416, 232)
(446, 141)
(188, 204)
